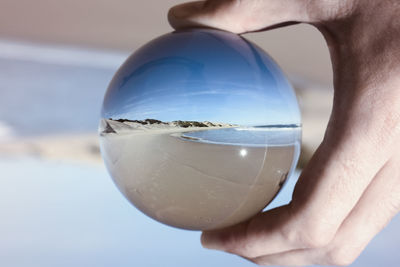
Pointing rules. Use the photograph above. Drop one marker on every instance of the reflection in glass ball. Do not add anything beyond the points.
(200, 129)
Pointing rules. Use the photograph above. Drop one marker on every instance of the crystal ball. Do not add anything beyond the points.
(200, 129)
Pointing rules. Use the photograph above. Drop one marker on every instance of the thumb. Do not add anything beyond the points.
(238, 16)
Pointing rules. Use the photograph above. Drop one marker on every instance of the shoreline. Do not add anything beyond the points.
(110, 127)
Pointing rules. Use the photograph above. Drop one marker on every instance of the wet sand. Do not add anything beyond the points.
(195, 185)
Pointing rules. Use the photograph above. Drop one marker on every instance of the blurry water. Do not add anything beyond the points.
(40, 98)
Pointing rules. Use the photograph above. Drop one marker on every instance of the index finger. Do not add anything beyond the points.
(238, 16)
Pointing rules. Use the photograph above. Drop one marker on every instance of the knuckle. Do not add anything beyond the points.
(236, 243)
(245, 247)
(230, 243)
(238, 248)
(232, 15)
(390, 128)
(251, 252)
(314, 239)
(290, 235)
(341, 256)
(246, 241)
(328, 9)
(259, 261)
(308, 235)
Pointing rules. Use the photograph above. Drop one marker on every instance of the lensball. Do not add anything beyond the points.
(200, 129)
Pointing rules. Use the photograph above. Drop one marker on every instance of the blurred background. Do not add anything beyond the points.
(58, 205)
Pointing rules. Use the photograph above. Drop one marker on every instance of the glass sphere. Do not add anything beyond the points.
(200, 129)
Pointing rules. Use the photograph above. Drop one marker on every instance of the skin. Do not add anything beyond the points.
(350, 190)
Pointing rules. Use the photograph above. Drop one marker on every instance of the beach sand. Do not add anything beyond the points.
(194, 185)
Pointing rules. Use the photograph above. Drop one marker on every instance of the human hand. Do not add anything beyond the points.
(351, 188)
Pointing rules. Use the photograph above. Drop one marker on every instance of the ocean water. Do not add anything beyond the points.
(249, 136)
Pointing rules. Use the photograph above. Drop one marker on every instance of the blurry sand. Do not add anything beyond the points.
(194, 185)
(82, 148)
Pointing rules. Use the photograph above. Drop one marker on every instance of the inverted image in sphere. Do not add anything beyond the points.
(200, 129)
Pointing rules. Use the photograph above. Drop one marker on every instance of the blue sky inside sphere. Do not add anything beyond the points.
(201, 75)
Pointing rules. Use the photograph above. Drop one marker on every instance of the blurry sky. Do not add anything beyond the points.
(127, 24)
